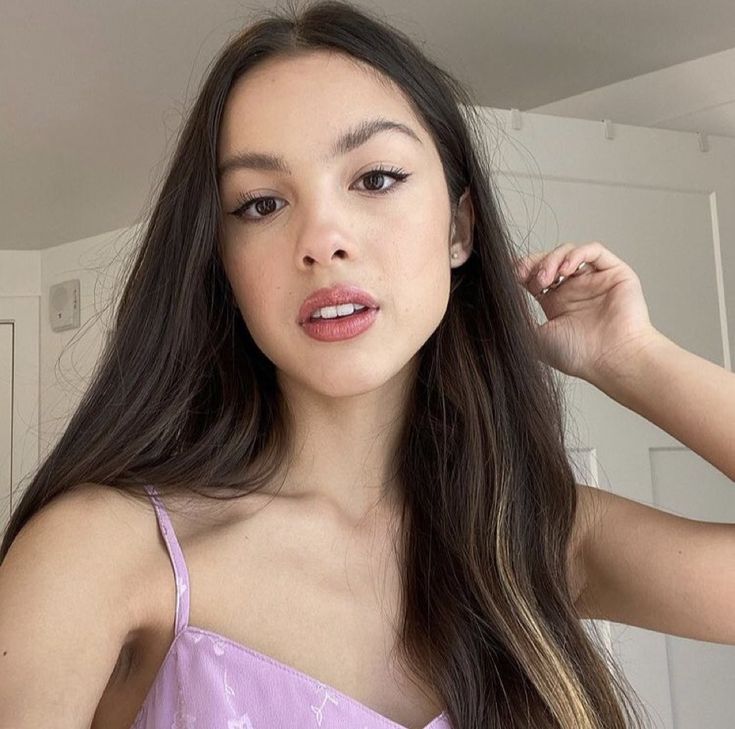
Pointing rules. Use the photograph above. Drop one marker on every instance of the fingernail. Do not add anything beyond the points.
(541, 275)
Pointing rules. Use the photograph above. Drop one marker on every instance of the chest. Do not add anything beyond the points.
(296, 590)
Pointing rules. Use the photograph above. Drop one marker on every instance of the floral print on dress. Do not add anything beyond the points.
(229, 691)
(218, 644)
(182, 719)
(242, 723)
(319, 710)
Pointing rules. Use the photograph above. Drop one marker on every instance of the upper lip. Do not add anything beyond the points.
(334, 296)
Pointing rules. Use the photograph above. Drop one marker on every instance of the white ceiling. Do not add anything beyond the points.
(91, 93)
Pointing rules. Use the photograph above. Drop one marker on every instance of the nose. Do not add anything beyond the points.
(324, 242)
(309, 259)
(327, 223)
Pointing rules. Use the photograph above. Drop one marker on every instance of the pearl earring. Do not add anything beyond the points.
(454, 255)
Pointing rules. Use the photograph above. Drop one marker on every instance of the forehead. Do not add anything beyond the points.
(307, 100)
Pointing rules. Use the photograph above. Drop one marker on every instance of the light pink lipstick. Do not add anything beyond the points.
(335, 329)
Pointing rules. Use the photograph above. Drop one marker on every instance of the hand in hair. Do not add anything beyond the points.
(594, 304)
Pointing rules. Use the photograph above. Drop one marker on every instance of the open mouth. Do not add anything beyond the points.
(330, 329)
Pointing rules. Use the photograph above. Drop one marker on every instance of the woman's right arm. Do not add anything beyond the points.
(65, 611)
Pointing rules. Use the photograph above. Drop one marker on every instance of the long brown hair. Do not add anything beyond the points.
(489, 496)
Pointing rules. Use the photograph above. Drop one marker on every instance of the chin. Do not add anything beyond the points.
(336, 380)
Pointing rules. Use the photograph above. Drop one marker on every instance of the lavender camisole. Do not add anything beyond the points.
(207, 681)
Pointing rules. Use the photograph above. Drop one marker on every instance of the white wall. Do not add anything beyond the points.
(68, 357)
(20, 273)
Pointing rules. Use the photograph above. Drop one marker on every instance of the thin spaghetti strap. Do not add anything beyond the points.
(181, 573)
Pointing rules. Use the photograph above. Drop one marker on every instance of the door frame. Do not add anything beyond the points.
(23, 312)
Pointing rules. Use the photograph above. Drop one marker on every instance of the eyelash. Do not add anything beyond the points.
(245, 201)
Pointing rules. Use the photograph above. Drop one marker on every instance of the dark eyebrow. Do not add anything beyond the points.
(346, 142)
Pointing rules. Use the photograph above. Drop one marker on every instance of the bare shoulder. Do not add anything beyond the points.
(107, 501)
(110, 527)
(66, 581)
(114, 518)
(95, 509)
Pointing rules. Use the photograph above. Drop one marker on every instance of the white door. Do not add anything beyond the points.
(6, 417)
(19, 397)
(667, 208)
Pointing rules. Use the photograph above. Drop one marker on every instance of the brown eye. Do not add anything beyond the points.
(374, 176)
(398, 175)
(263, 206)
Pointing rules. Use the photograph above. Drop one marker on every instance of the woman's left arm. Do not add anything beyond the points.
(688, 396)
(632, 563)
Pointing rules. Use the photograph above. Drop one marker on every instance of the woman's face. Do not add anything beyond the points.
(325, 220)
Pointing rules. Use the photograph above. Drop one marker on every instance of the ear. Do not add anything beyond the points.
(463, 226)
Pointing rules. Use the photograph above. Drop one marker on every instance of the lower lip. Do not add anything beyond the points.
(333, 330)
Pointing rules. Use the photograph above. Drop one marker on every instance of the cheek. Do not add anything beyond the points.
(255, 288)
(422, 276)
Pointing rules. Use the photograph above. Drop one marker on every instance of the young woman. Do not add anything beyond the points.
(319, 477)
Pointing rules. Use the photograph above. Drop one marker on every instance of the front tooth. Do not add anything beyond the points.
(345, 309)
(330, 312)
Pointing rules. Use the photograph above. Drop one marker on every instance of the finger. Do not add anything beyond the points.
(527, 266)
(567, 260)
(560, 279)
(548, 268)
(595, 254)
(582, 269)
